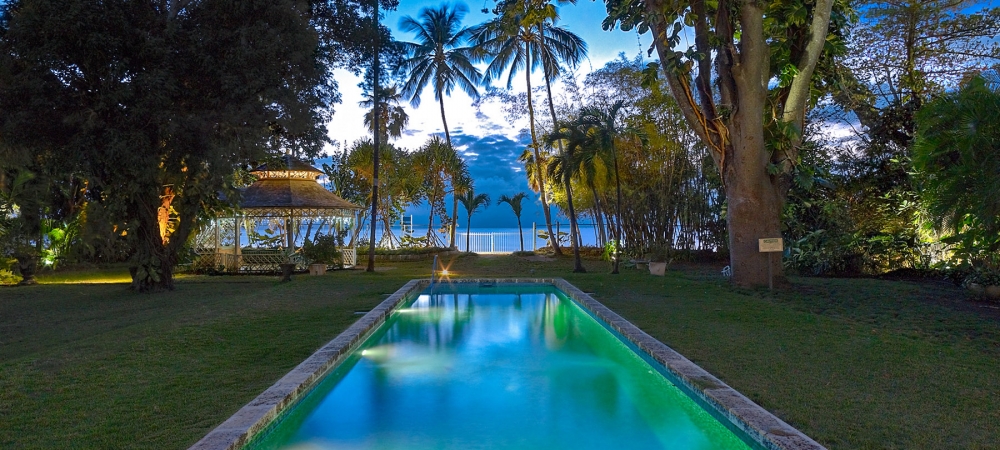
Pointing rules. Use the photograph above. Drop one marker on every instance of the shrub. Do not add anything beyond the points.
(8, 278)
(982, 277)
(322, 249)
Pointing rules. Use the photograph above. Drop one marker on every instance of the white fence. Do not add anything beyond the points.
(494, 242)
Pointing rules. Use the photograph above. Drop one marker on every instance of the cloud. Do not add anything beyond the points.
(495, 170)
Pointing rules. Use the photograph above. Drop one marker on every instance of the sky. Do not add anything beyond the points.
(488, 142)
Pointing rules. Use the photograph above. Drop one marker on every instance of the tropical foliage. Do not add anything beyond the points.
(394, 117)
(443, 172)
(957, 159)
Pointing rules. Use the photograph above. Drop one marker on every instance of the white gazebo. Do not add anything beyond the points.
(280, 211)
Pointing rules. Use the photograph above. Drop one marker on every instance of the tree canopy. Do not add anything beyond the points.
(157, 102)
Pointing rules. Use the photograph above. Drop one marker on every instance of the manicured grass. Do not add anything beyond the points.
(853, 363)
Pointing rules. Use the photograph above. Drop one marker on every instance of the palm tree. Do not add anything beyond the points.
(604, 125)
(438, 57)
(517, 39)
(515, 204)
(472, 202)
(458, 172)
(431, 164)
(398, 187)
(563, 166)
(394, 117)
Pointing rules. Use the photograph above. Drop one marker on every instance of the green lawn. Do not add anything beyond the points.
(853, 363)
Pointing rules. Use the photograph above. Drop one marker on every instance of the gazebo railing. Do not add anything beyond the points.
(268, 260)
(350, 256)
(261, 260)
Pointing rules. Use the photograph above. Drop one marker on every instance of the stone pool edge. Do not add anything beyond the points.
(252, 418)
(758, 423)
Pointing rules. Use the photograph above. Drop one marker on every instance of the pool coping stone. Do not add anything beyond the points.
(764, 428)
(758, 423)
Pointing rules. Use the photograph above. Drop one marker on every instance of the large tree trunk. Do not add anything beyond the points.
(151, 267)
(754, 211)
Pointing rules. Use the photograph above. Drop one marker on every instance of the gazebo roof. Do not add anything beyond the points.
(292, 189)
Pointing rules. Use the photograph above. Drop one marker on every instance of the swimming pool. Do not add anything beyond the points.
(510, 366)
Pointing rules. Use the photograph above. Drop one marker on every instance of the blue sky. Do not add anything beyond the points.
(489, 143)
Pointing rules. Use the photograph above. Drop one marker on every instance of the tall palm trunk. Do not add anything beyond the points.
(468, 232)
(444, 120)
(454, 216)
(454, 192)
(431, 239)
(598, 216)
(552, 111)
(574, 230)
(618, 208)
(520, 233)
(553, 239)
(376, 144)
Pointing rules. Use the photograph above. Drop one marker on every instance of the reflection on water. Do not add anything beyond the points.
(513, 368)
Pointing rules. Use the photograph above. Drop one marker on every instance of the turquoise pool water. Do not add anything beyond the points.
(512, 366)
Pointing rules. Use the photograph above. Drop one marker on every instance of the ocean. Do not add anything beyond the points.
(500, 240)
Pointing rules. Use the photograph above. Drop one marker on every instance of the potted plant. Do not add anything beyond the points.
(659, 257)
(321, 253)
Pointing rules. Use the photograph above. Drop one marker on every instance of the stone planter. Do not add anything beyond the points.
(317, 269)
(657, 268)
